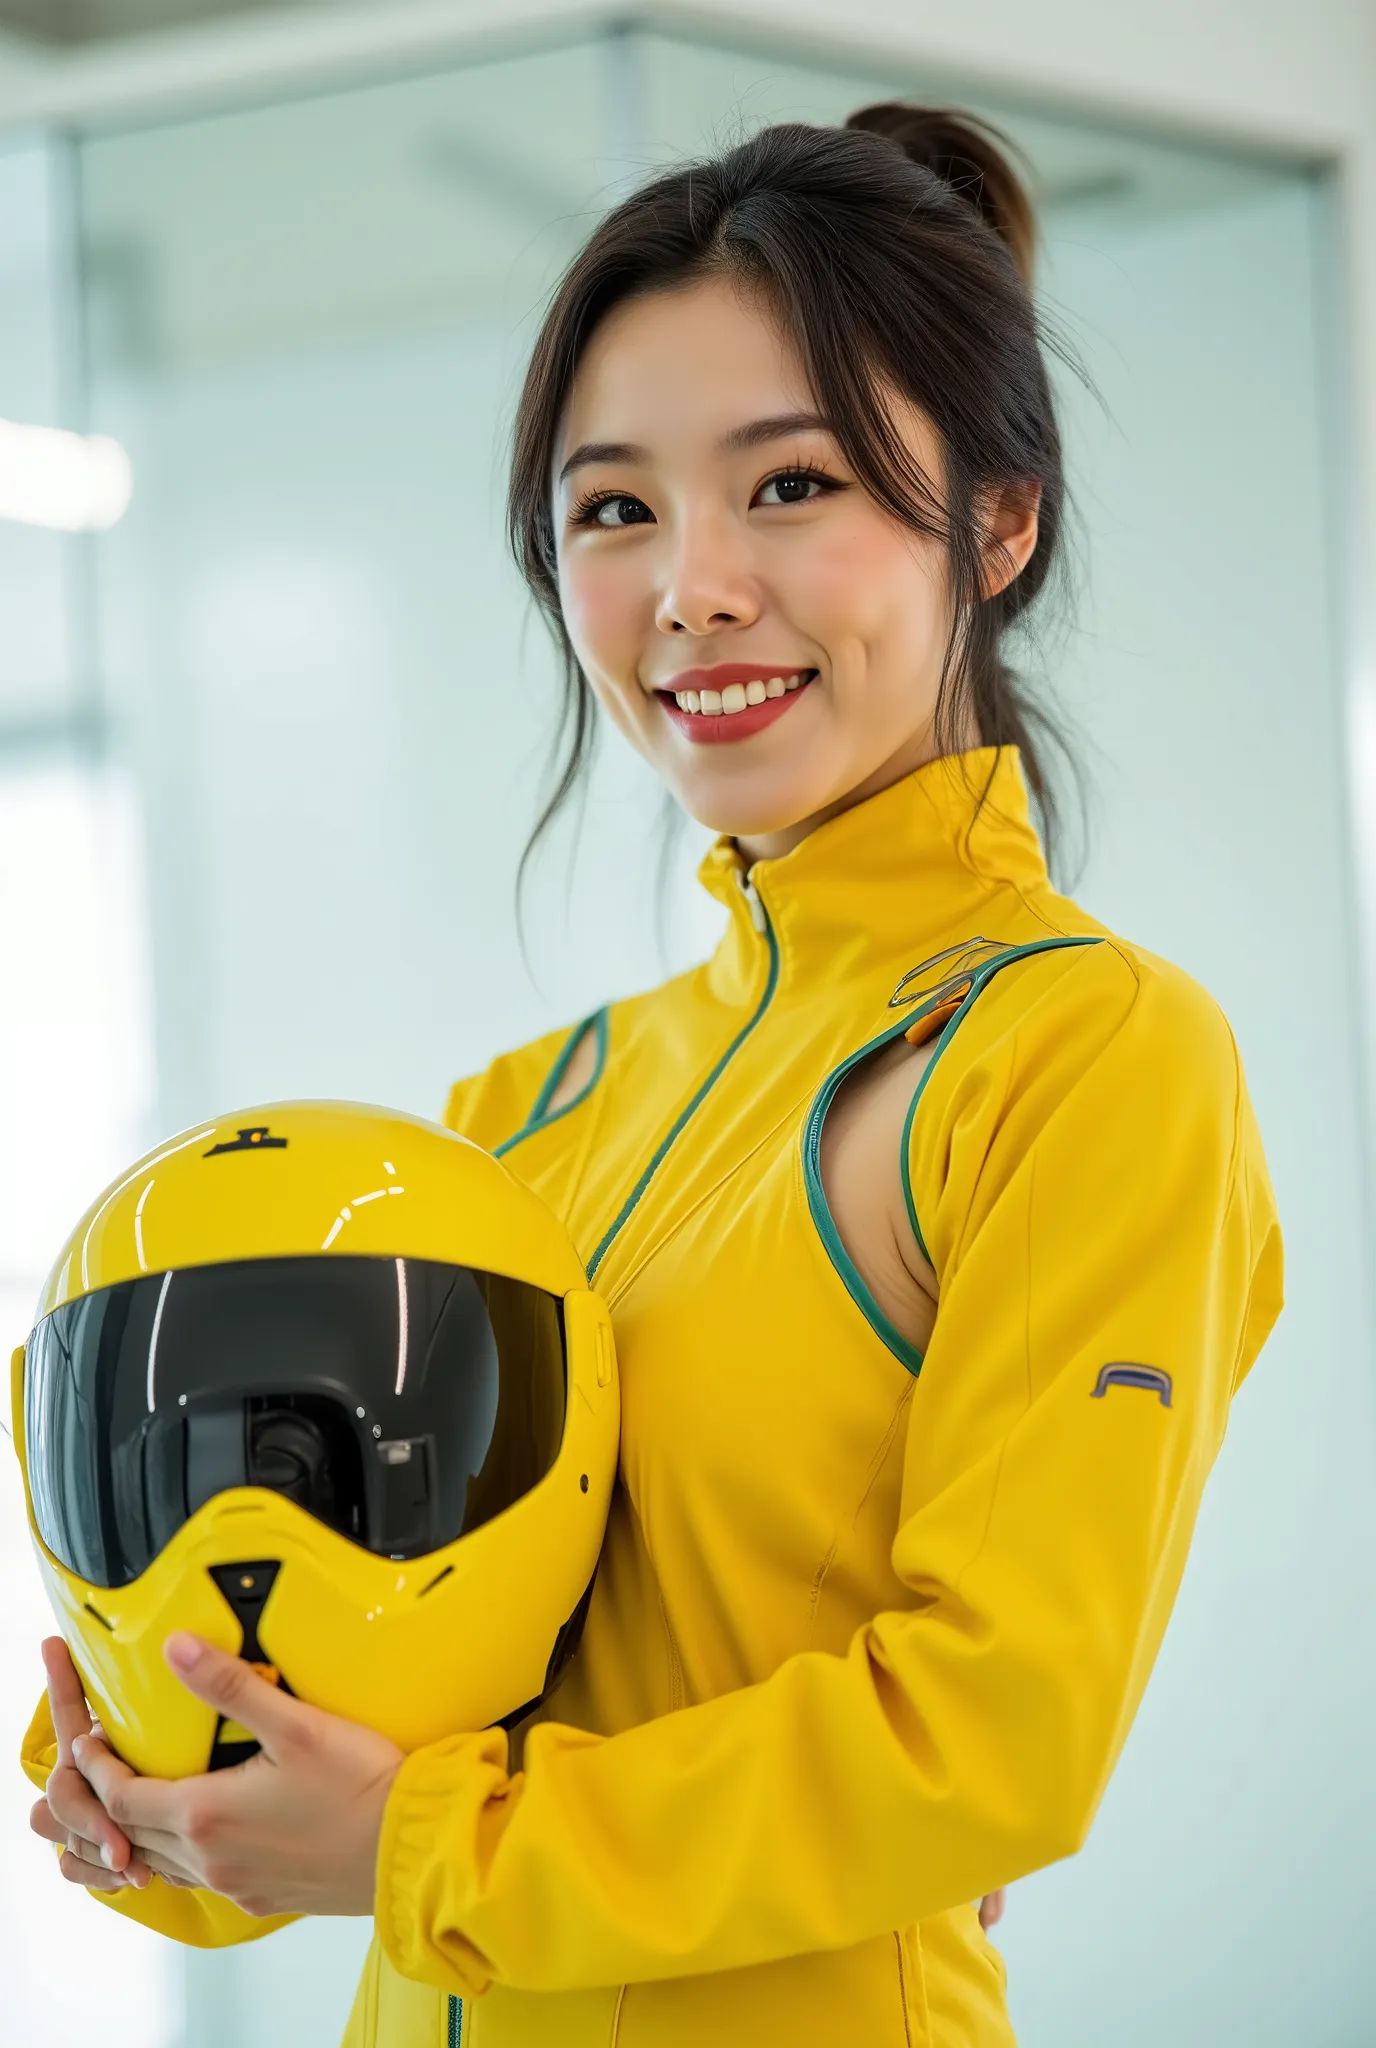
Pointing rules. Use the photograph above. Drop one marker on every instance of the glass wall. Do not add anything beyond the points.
(75, 1063)
(307, 321)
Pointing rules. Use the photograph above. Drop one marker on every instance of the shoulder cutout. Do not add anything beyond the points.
(577, 1075)
(863, 1204)
(574, 1075)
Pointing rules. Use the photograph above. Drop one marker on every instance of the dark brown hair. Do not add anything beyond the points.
(897, 252)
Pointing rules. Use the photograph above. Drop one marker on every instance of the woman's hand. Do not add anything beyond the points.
(96, 1853)
(293, 1830)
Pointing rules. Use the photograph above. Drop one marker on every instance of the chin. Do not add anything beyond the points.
(752, 805)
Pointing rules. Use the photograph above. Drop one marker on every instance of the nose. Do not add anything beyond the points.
(709, 585)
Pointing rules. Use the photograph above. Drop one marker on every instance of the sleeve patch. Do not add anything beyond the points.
(1149, 1378)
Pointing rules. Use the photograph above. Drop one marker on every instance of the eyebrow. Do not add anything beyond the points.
(753, 434)
(774, 428)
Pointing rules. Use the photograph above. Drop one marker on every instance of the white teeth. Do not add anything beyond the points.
(737, 696)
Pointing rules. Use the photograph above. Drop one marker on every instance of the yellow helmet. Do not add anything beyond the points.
(325, 1384)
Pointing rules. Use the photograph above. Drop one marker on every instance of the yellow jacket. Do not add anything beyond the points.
(869, 1629)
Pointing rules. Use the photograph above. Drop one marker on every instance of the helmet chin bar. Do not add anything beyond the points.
(246, 1587)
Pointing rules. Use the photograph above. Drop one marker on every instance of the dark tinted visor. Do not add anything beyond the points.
(400, 1401)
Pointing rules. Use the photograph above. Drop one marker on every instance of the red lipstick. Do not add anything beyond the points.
(713, 727)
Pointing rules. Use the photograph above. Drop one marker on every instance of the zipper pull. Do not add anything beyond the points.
(752, 897)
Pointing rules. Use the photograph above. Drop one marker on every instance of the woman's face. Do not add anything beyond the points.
(752, 620)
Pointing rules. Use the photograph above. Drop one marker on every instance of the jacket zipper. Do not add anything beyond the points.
(758, 915)
(759, 918)
(455, 2022)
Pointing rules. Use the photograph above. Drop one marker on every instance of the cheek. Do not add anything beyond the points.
(868, 581)
(601, 603)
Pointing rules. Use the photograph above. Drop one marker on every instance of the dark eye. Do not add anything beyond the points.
(618, 509)
(794, 487)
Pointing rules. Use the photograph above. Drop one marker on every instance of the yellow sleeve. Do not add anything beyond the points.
(198, 1919)
(1091, 1186)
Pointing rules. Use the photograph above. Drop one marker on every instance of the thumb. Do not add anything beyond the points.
(235, 1690)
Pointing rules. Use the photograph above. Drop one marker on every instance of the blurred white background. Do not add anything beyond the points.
(270, 748)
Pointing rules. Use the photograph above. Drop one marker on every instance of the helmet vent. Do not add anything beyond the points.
(246, 1587)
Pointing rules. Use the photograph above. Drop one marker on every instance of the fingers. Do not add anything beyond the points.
(65, 1695)
(991, 1908)
(120, 1795)
(79, 1812)
(235, 1690)
(44, 1823)
(84, 1854)
(161, 1843)
(79, 1868)
(93, 1876)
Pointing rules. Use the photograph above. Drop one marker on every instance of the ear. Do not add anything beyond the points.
(1008, 515)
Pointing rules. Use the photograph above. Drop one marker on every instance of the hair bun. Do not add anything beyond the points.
(972, 158)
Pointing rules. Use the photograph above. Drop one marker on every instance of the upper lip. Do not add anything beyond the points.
(727, 672)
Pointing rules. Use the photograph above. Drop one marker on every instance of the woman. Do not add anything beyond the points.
(933, 1217)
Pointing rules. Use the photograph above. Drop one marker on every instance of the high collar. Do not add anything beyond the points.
(884, 883)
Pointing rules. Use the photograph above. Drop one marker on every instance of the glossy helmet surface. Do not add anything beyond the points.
(325, 1384)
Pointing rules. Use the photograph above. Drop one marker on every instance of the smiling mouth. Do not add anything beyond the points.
(738, 697)
(737, 711)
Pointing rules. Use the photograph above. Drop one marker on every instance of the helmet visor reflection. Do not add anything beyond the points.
(400, 1401)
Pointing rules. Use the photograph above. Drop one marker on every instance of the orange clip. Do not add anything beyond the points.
(927, 1026)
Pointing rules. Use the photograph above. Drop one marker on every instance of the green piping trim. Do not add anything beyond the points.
(906, 1353)
(982, 978)
(539, 1118)
(686, 1115)
(903, 1144)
